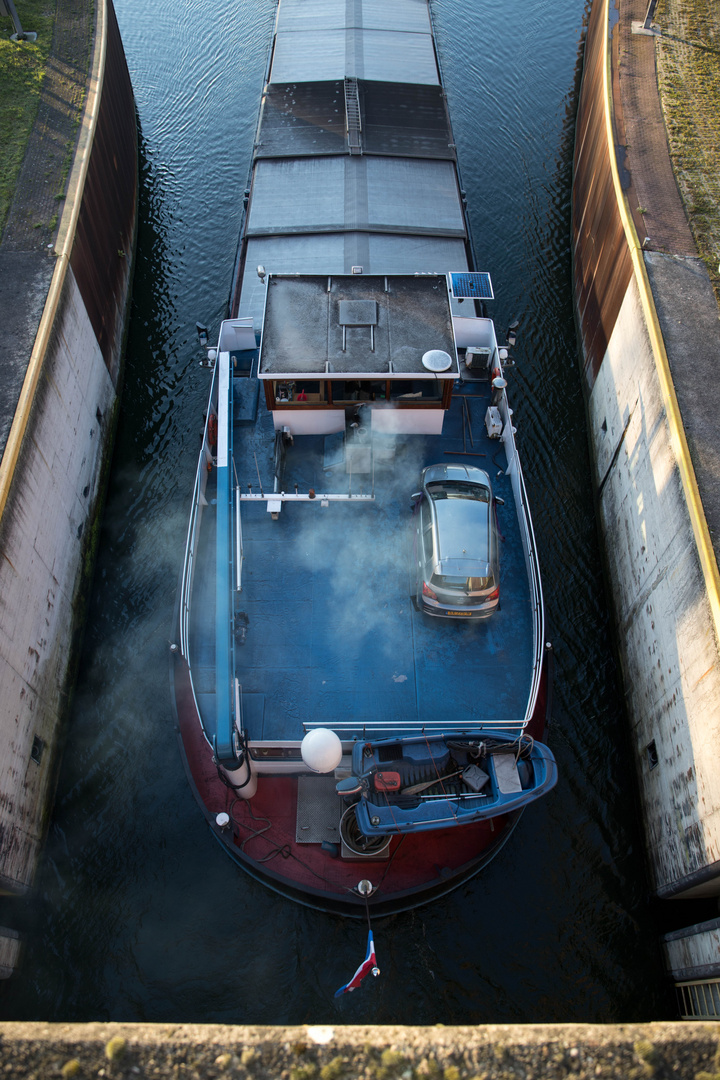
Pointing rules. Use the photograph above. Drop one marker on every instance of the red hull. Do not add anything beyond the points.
(261, 839)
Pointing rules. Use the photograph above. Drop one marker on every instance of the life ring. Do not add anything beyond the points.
(212, 431)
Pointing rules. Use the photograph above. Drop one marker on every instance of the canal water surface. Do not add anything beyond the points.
(138, 914)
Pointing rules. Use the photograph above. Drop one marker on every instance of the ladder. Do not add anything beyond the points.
(352, 116)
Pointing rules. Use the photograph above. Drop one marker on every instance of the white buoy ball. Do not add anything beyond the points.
(321, 750)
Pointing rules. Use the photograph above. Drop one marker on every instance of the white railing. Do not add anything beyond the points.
(699, 999)
(319, 497)
(239, 550)
(189, 562)
(204, 458)
(416, 727)
(188, 573)
(527, 536)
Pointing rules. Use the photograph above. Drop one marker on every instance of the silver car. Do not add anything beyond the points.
(456, 554)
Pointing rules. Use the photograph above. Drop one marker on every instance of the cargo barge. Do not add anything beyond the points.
(359, 666)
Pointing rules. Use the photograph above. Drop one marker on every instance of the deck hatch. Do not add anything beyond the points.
(380, 55)
(318, 810)
(393, 119)
(342, 194)
(409, 15)
(358, 313)
(337, 253)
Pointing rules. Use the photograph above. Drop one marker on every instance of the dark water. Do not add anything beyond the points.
(138, 914)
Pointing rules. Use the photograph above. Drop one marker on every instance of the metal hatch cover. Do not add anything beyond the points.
(318, 810)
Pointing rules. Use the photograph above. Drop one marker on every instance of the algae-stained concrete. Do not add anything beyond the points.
(688, 67)
(336, 1052)
(53, 463)
(653, 407)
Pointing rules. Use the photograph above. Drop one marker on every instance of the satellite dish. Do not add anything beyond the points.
(436, 360)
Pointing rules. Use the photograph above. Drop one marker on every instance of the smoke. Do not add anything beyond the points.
(328, 593)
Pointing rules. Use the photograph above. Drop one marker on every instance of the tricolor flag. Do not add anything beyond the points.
(369, 964)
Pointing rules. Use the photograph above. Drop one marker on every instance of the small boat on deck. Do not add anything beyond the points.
(360, 673)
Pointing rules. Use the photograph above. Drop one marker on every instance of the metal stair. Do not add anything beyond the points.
(352, 116)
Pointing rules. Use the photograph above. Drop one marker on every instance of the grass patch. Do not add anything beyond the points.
(688, 59)
(22, 68)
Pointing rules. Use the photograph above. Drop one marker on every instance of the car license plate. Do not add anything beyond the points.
(466, 614)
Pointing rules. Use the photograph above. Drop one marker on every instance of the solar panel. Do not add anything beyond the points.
(471, 286)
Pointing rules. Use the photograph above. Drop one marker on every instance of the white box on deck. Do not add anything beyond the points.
(493, 422)
(506, 773)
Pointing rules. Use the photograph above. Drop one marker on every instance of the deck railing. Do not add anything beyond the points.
(699, 999)
(239, 549)
(532, 564)
(536, 597)
(186, 585)
(189, 561)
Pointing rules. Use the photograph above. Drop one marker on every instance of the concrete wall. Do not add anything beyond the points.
(54, 496)
(661, 568)
(665, 629)
(51, 474)
(9, 951)
(694, 953)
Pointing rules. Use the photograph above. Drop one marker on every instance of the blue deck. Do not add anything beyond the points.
(333, 635)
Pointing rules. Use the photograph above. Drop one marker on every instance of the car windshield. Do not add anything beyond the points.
(458, 489)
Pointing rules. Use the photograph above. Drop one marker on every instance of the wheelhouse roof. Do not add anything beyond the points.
(365, 326)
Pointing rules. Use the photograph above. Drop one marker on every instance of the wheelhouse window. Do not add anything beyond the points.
(341, 393)
(296, 392)
(345, 392)
(416, 389)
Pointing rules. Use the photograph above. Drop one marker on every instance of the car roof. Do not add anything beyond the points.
(463, 530)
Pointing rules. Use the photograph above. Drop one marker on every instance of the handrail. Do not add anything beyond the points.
(532, 563)
(188, 561)
(538, 604)
(186, 580)
(239, 550)
(698, 999)
(410, 727)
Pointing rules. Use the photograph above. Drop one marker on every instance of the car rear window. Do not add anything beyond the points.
(472, 584)
(458, 489)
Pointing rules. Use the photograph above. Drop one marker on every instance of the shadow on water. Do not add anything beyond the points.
(138, 914)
